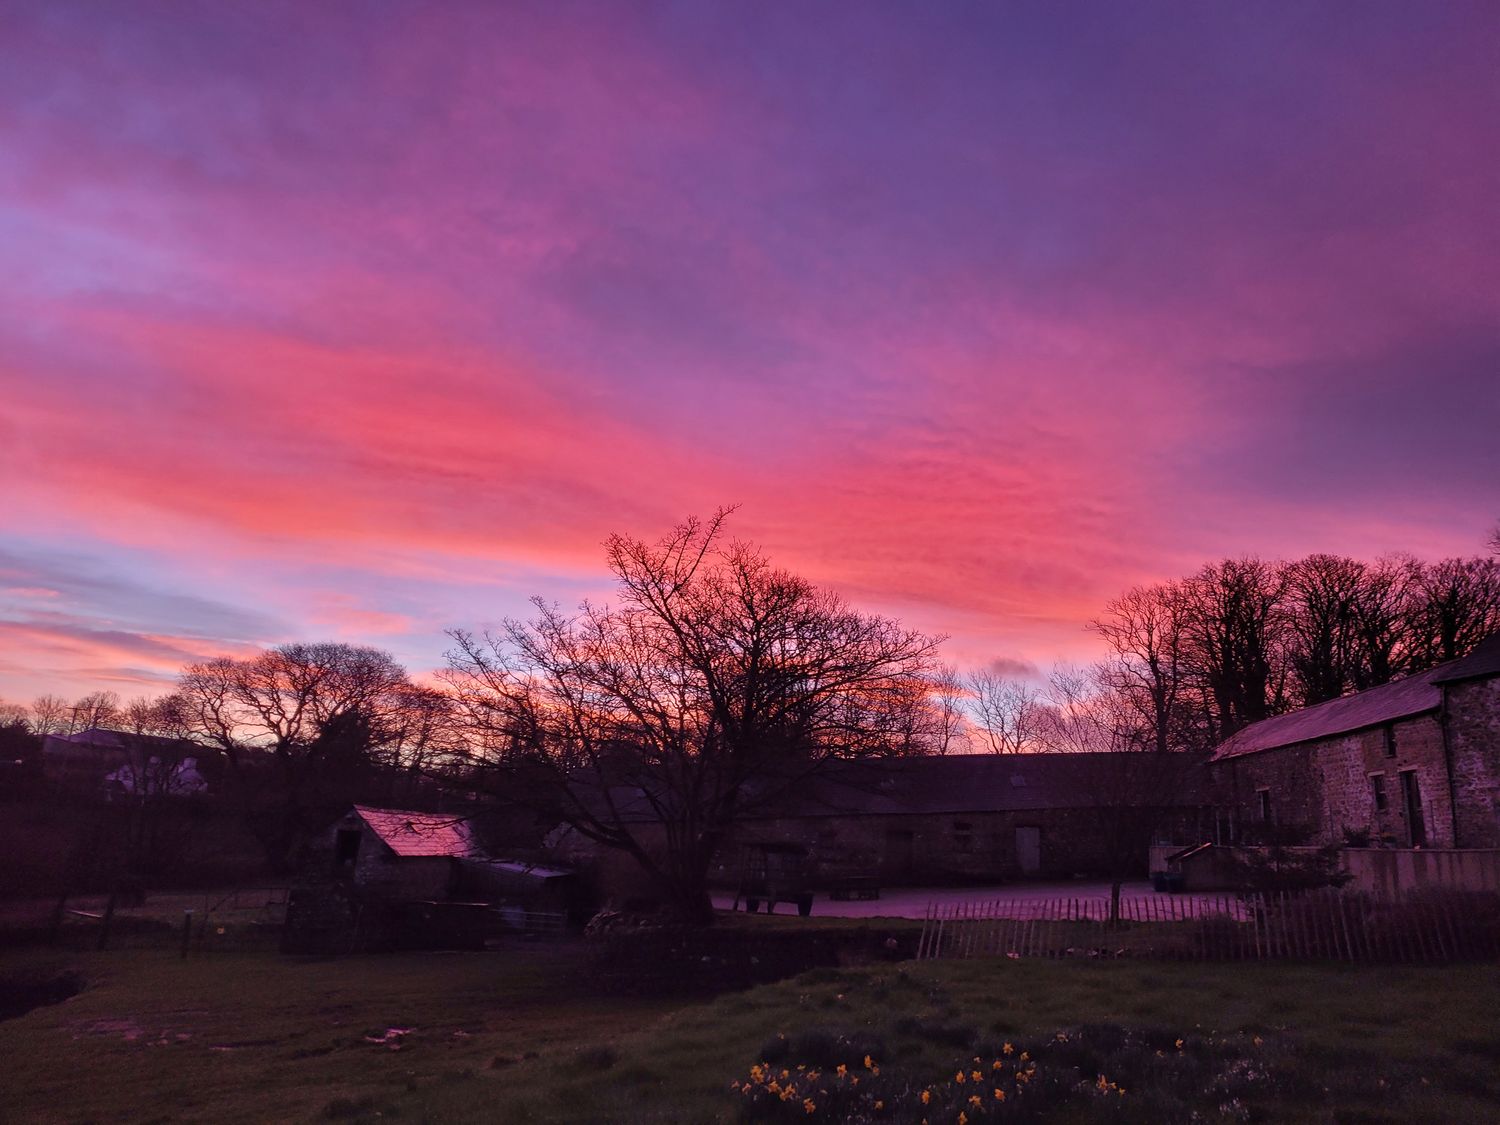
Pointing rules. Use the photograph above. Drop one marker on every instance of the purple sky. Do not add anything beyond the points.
(365, 321)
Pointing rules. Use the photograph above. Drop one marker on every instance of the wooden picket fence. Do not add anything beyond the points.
(1322, 925)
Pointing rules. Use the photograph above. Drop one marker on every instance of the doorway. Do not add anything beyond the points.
(1029, 850)
(1411, 802)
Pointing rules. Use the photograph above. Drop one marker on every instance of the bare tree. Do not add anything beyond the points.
(299, 727)
(1381, 621)
(98, 709)
(1454, 605)
(715, 684)
(49, 715)
(1149, 667)
(1132, 787)
(1237, 628)
(1323, 598)
(1005, 715)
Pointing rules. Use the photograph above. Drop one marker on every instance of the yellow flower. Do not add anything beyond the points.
(926, 1096)
(976, 1076)
(1008, 1049)
(843, 1070)
(809, 1105)
(974, 1101)
(963, 1119)
(1257, 1041)
(1179, 1044)
(959, 1078)
(879, 1105)
(998, 1065)
(999, 1094)
(869, 1062)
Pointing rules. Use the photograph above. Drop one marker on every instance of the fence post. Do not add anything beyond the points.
(187, 931)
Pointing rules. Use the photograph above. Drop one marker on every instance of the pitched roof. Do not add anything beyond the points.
(420, 834)
(1400, 699)
(1483, 661)
(982, 783)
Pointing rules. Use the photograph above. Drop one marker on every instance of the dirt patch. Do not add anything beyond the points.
(21, 995)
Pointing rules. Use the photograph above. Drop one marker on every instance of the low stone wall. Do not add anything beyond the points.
(1387, 872)
(1395, 871)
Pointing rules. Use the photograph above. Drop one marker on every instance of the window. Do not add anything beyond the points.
(1390, 742)
(1263, 803)
(1377, 790)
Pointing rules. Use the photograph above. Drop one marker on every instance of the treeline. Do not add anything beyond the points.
(1193, 661)
(297, 733)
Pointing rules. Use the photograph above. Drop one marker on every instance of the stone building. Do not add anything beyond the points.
(1414, 763)
(982, 818)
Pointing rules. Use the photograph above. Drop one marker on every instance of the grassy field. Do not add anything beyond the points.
(520, 1036)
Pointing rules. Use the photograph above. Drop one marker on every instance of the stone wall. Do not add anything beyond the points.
(1328, 785)
(1472, 708)
(1390, 872)
(981, 847)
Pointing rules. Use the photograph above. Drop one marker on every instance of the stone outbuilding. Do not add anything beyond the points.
(1410, 764)
(983, 818)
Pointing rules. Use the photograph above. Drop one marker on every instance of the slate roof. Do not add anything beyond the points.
(1376, 706)
(1483, 661)
(983, 783)
(420, 834)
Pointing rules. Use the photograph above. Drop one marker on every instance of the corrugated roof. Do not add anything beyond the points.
(420, 834)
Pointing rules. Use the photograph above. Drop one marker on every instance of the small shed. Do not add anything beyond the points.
(401, 855)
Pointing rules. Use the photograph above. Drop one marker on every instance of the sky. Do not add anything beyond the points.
(362, 322)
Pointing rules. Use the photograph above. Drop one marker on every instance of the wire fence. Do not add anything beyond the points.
(1437, 926)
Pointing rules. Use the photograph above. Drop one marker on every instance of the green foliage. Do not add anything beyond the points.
(1280, 869)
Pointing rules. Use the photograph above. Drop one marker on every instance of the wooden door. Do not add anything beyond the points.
(1029, 850)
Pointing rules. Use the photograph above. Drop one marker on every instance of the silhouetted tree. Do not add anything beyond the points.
(1149, 667)
(714, 684)
(1322, 599)
(1237, 628)
(1004, 714)
(1382, 636)
(98, 709)
(49, 715)
(297, 725)
(1454, 605)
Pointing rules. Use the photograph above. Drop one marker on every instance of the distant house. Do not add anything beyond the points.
(121, 762)
(1414, 763)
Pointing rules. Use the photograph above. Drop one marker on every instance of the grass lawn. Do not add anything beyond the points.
(519, 1036)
